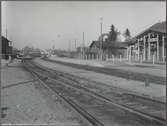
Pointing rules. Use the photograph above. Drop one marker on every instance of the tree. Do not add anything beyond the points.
(113, 34)
(127, 34)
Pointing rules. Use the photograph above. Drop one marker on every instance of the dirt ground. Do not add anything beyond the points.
(29, 103)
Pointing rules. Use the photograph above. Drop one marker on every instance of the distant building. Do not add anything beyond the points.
(149, 44)
(109, 48)
(35, 53)
(6, 48)
(82, 51)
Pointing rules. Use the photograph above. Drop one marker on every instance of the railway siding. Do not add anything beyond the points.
(154, 91)
(71, 92)
(130, 75)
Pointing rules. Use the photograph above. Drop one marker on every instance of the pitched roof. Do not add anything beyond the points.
(159, 27)
(97, 43)
(4, 39)
(115, 45)
(109, 44)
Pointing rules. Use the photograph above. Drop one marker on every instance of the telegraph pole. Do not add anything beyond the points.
(69, 46)
(101, 39)
(75, 44)
(6, 33)
(83, 50)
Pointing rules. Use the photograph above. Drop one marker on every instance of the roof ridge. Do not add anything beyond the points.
(159, 27)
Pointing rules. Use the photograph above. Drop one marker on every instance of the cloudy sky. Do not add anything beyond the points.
(44, 24)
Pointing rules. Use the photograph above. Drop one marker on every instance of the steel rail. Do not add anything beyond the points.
(124, 107)
(114, 87)
(91, 119)
(117, 72)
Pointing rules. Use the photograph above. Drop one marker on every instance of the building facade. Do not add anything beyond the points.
(6, 48)
(150, 45)
(86, 53)
(109, 49)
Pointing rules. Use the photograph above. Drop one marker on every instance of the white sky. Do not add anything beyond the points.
(44, 24)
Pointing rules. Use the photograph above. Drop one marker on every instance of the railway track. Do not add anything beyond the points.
(91, 120)
(116, 72)
(81, 95)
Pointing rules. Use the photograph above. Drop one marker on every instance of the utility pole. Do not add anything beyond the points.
(75, 44)
(83, 50)
(101, 39)
(6, 33)
(69, 46)
(53, 47)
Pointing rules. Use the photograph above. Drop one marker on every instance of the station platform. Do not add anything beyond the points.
(24, 102)
(152, 69)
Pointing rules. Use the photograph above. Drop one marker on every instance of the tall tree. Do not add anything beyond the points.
(127, 34)
(113, 34)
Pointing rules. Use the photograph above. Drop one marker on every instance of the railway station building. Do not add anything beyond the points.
(149, 45)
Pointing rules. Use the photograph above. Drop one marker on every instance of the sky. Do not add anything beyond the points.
(60, 23)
